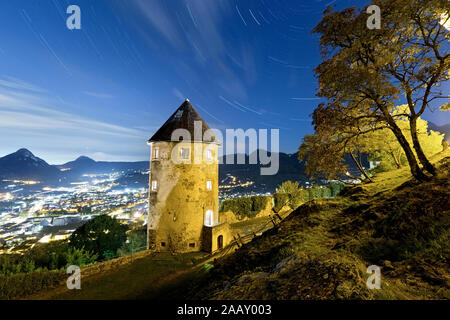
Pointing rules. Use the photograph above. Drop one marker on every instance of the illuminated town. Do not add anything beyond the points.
(31, 212)
(45, 214)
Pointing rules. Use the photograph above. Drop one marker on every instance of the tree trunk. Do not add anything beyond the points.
(397, 161)
(422, 158)
(360, 167)
(412, 161)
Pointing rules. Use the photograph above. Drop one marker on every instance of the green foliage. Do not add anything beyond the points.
(51, 256)
(281, 200)
(335, 188)
(79, 257)
(137, 241)
(108, 255)
(245, 206)
(297, 195)
(290, 194)
(259, 203)
(100, 235)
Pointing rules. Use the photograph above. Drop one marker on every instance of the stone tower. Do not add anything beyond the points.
(183, 184)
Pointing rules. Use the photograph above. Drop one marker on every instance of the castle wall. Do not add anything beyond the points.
(178, 207)
(211, 236)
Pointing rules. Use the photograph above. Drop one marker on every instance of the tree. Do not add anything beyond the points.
(365, 71)
(324, 152)
(137, 241)
(100, 235)
(384, 144)
(295, 193)
(324, 155)
(323, 158)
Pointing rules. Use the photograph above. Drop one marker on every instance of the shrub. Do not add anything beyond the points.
(280, 199)
(137, 241)
(100, 235)
(245, 207)
(79, 257)
(259, 203)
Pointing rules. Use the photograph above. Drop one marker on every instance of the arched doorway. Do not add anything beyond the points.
(220, 242)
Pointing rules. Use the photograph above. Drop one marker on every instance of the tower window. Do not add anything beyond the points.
(154, 185)
(163, 244)
(192, 244)
(209, 155)
(184, 153)
(209, 218)
(209, 185)
(156, 153)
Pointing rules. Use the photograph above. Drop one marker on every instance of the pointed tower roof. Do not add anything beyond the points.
(183, 118)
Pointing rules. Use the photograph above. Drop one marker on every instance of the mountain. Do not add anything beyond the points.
(85, 165)
(24, 165)
(289, 168)
(445, 129)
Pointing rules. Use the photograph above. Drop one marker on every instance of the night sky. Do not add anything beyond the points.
(102, 91)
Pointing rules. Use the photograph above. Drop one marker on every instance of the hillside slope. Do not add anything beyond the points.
(322, 250)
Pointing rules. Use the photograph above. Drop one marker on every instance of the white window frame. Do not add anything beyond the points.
(209, 155)
(155, 153)
(209, 185)
(209, 218)
(154, 185)
(183, 156)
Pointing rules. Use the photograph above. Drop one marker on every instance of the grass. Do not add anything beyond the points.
(322, 250)
(142, 277)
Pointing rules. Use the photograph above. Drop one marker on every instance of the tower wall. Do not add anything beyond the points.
(177, 209)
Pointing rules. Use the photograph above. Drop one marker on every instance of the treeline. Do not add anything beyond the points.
(287, 194)
(246, 206)
(290, 194)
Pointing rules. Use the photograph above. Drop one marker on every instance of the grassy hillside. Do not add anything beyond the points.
(322, 250)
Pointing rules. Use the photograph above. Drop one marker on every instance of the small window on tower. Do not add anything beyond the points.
(192, 245)
(154, 185)
(184, 153)
(156, 153)
(209, 155)
(209, 185)
(163, 244)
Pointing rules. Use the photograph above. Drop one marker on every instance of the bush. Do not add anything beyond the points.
(245, 207)
(335, 188)
(137, 241)
(80, 257)
(280, 199)
(259, 203)
(100, 235)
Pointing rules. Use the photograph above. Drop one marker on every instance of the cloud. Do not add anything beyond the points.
(14, 83)
(28, 118)
(99, 95)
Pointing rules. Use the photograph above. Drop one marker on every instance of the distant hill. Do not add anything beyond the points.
(289, 169)
(85, 165)
(445, 129)
(24, 165)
